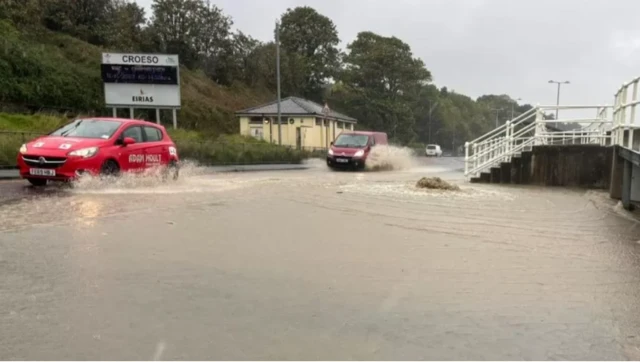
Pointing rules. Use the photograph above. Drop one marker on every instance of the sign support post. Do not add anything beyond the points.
(175, 118)
(115, 112)
(158, 115)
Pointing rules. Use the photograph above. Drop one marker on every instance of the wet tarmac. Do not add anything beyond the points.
(314, 264)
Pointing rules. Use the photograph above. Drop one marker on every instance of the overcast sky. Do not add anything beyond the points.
(480, 47)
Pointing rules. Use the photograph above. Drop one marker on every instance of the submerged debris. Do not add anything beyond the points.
(436, 183)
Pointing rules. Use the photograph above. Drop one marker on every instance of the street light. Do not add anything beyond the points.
(512, 104)
(558, 94)
(431, 108)
(325, 112)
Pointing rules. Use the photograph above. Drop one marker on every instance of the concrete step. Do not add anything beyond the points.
(505, 173)
(495, 175)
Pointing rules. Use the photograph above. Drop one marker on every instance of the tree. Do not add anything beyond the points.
(193, 29)
(261, 69)
(311, 41)
(22, 12)
(232, 64)
(126, 26)
(380, 81)
(85, 19)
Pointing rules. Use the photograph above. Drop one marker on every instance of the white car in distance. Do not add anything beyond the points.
(433, 150)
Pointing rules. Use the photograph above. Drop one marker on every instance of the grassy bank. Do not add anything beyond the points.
(203, 148)
(42, 70)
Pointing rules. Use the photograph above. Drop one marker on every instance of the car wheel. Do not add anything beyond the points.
(172, 171)
(110, 168)
(37, 181)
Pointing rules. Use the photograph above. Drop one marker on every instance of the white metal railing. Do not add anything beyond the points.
(624, 115)
(531, 129)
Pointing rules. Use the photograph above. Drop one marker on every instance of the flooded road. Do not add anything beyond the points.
(316, 265)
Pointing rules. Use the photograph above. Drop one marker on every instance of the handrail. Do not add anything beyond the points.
(516, 120)
(508, 139)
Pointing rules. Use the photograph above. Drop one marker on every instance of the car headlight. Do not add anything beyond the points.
(23, 149)
(360, 153)
(85, 152)
(330, 152)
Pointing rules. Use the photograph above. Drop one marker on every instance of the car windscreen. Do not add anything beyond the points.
(351, 140)
(88, 128)
(431, 147)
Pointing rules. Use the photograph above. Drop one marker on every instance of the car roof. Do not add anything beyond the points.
(365, 133)
(124, 120)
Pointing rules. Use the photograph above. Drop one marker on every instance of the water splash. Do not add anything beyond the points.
(390, 158)
(150, 180)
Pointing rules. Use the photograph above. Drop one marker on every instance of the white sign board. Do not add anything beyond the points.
(141, 80)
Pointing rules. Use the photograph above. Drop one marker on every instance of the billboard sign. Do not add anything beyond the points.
(141, 80)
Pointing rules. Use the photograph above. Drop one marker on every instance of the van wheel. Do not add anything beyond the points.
(37, 181)
(110, 168)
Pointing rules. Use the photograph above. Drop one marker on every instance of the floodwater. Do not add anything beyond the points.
(316, 265)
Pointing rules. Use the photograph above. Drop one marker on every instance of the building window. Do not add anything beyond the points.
(257, 133)
(255, 120)
(318, 122)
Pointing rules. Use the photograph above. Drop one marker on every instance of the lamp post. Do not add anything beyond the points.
(325, 112)
(431, 108)
(278, 81)
(558, 94)
(512, 104)
(497, 113)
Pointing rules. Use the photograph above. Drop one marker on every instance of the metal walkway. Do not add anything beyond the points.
(532, 128)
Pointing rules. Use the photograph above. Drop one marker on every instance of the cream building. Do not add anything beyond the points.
(305, 124)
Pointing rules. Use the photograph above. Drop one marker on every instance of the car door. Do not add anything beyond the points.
(156, 150)
(132, 157)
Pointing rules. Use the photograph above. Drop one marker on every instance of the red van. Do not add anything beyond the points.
(351, 149)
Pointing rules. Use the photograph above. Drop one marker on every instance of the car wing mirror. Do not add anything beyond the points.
(128, 141)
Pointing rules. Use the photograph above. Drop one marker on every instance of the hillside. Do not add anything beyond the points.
(46, 71)
(51, 63)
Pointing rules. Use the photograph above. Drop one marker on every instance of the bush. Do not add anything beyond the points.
(37, 123)
(227, 150)
(201, 147)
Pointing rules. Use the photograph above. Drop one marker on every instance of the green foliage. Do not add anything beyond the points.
(50, 58)
(380, 83)
(37, 123)
(229, 150)
(204, 148)
(193, 29)
(311, 39)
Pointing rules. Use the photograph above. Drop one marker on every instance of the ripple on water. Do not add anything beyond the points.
(408, 190)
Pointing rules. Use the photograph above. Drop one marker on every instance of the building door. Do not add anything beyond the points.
(298, 138)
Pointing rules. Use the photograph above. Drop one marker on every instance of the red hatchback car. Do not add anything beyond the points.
(98, 146)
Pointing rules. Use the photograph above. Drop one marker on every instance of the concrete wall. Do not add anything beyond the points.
(580, 165)
(314, 134)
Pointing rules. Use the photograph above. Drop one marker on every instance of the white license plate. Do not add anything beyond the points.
(42, 172)
(342, 160)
